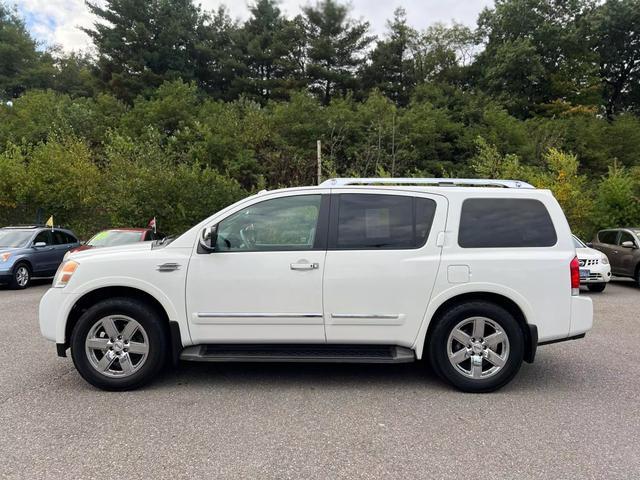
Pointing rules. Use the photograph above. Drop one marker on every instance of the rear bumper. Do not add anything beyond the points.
(581, 316)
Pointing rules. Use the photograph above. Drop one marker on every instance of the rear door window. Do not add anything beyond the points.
(60, 238)
(370, 221)
(505, 223)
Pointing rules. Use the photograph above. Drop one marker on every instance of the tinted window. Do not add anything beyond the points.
(504, 223)
(625, 237)
(288, 223)
(70, 238)
(44, 236)
(59, 238)
(383, 221)
(608, 236)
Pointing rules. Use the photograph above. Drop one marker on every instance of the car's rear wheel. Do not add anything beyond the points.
(477, 346)
(119, 344)
(21, 276)
(596, 287)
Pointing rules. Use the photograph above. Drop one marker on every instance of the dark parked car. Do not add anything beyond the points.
(119, 236)
(32, 251)
(621, 246)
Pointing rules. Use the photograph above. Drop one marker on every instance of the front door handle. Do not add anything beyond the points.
(304, 266)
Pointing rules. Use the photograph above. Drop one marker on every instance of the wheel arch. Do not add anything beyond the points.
(26, 261)
(94, 296)
(529, 330)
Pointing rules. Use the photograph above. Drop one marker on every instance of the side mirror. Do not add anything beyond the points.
(590, 244)
(208, 240)
(628, 244)
(40, 244)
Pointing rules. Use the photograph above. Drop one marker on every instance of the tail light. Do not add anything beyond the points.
(575, 276)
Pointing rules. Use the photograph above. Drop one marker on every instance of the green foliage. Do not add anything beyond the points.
(617, 199)
(183, 111)
(22, 66)
(336, 47)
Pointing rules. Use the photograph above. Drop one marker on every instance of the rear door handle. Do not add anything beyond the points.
(304, 266)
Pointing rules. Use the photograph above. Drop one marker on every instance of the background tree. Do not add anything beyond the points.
(391, 67)
(142, 43)
(22, 66)
(616, 39)
(336, 47)
(535, 52)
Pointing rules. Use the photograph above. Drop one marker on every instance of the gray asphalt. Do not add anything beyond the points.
(574, 413)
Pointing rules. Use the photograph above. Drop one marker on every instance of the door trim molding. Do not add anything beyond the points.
(366, 319)
(254, 318)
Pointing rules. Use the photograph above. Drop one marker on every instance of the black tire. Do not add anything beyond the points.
(596, 287)
(17, 282)
(438, 346)
(154, 327)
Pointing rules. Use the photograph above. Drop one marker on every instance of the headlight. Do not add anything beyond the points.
(5, 256)
(604, 260)
(64, 274)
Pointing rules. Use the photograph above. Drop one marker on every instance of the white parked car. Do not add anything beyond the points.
(595, 271)
(470, 275)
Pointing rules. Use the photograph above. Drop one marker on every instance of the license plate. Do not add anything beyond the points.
(584, 273)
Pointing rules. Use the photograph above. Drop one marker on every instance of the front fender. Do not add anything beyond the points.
(172, 310)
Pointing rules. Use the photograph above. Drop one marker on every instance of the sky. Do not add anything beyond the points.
(56, 22)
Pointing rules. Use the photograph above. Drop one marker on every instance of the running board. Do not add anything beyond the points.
(320, 353)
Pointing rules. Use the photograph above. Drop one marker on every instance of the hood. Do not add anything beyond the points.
(81, 248)
(10, 249)
(130, 247)
(589, 253)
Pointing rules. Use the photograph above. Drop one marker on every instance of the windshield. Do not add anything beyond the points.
(113, 238)
(578, 243)
(15, 238)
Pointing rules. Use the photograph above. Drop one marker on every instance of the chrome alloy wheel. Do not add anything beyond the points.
(117, 346)
(22, 276)
(478, 347)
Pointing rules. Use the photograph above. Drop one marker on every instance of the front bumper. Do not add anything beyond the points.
(597, 274)
(54, 310)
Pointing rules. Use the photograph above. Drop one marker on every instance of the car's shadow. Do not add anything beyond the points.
(547, 372)
(35, 282)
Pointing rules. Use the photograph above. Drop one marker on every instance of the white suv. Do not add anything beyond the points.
(353, 270)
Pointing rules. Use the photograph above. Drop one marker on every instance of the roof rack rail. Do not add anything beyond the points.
(436, 182)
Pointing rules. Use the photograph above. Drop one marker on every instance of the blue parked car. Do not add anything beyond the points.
(32, 251)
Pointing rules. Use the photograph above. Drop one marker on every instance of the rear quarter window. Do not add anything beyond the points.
(505, 223)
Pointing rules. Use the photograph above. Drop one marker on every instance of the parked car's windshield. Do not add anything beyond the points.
(113, 238)
(578, 243)
(14, 238)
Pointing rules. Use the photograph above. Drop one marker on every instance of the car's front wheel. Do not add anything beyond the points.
(477, 346)
(21, 276)
(119, 344)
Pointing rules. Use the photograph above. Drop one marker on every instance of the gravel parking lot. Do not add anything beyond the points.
(572, 414)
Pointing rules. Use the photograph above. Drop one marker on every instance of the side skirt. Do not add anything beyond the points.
(320, 353)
